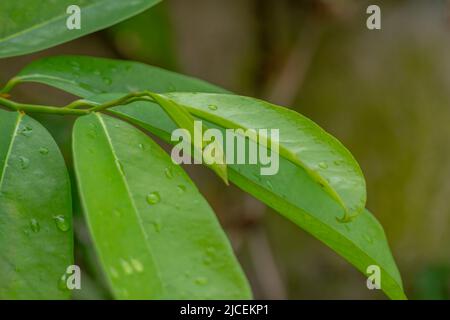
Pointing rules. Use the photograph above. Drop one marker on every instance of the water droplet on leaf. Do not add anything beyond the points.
(168, 173)
(126, 267)
(62, 223)
(75, 65)
(323, 165)
(34, 224)
(157, 225)
(201, 281)
(27, 131)
(107, 81)
(212, 107)
(153, 198)
(24, 162)
(137, 265)
(207, 260)
(43, 151)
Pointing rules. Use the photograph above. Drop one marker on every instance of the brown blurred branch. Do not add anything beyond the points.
(284, 86)
(266, 271)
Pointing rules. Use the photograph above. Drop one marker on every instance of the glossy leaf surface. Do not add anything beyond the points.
(296, 196)
(291, 192)
(27, 26)
(157, 238)
(301, 141)
(85, 76)
(35, 212)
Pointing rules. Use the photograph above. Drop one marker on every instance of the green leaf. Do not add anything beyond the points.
(291, 192)
(301, 141)
(85, 76)
(155, 234)
(186, 121)
(296, 196)
(36, 242)
(304, 142)
(28, 26)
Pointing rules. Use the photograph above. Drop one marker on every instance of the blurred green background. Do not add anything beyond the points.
(384, 93)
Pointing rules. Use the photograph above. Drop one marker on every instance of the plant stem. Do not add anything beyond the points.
(127, 99)
(81, 103)
(10, 85)
(39, 109)
(72, 108)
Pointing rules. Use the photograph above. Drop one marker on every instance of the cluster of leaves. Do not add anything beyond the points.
(155, 234)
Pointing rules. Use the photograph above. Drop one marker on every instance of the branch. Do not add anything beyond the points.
(73, 108)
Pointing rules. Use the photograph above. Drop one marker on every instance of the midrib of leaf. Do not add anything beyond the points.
(283, 151)
(47, 22)
(276, 202)
(80, 91)
(5, 165)
(8, 153)
(30, 77)
(124, 180)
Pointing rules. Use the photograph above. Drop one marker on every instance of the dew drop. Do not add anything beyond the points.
(168, 173)
(157, 225)
(207, 260)
(141, 146)
(75, 65)
(126, 267)
(181, 188)
(323, 165)
(212, 107)
(137, 265)
(43, 151)
(153, 198)
(107, 81)
(210, 251)
(61, 223)
(201, 280)
(35, 226)
(24, 162)
(27, 131)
